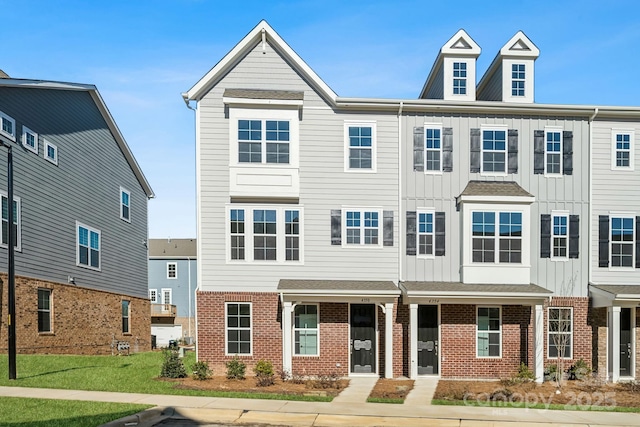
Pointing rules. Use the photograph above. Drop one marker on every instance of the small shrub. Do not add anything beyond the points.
(235, 369)
(298, 378)
(172, 367)
(325, 381)
(551, 373)
(284, 375)
(525, 374)
(579, 370)
(201, 371)
(264, 373)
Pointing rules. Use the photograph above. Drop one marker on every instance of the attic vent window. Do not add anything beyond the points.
(520, 45)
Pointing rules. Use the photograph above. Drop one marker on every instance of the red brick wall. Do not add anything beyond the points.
(598, 323)
(582, 329)
(83, 321)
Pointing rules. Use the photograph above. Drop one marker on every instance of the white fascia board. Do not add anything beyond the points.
(449, 49)
(44, 84)
(251, 101)
(527, 48)
(483, 295)
(248, 42)
(498, 199)
(337, 292)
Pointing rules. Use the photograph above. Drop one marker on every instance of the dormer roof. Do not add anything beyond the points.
(520, 45)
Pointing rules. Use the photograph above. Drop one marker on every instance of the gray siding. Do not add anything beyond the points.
(436, 91)
(85, 187)
(187, 278)
(492, 90)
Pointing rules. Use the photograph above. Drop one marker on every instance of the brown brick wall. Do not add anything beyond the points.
(83, 321)
(598, 322)
(582, 329)
(637, 331)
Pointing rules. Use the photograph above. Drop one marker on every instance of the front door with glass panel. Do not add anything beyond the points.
(625, 343)
(428, 340)
(363, 338)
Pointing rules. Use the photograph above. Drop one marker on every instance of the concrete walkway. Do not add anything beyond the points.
(347, 413)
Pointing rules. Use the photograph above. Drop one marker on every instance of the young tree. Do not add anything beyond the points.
(561, 330)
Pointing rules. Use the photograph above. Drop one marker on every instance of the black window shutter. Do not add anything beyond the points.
(574, 236)
(387, 228)
(513, 150)
(447, 149)
(545, 236)
(411, 233)
(418, 149)
(440, 233)
(567, 152)
(638, 242)
(336, 227)
(474, 158)
(538, 151)
(603, 241)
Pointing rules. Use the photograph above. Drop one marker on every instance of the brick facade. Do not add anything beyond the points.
(582, 329)
(598, 321)
(83, 321)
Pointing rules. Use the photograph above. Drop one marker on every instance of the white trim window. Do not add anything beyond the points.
(553, 152)
(88, 246)
(237, 328)
(17, 220)
(622, 150)
(426, 233)
(459, 78)
(270, 145)
(433, 148)
(494, 151)
(264, 234)
(126, 316)
(560, 235)
(153, 296)
(489, 332)
(622, 243)
(7, 126)
(125, 205)
(29, 139)
(518, 78)
(360, 146)
(305, 330)
(560, 332)
(506, 243)
(166, 295)
(50, 152)
(44, 311)
(362, 227)
(172, 270)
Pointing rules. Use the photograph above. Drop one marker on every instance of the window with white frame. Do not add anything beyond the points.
(172, 270)
(265, 233)
(560, 332)
(165, 294)
(426, 234)
(125, 205)
(50, 152)
(238, 327)
(489, 332)
(560, 235)
(7, 126)
(459, 78)
(153, 296)
(553, 152)
(29, 139)
(360, 139)
(433, 148)
(17, 238)
(362, 227)
(494, 150)
(44, 310)
(622, 241)
(517, 79)
(88, 248)
(263, 141)
(622, 155)
(126, 317)
(489, 246)
(305, 330)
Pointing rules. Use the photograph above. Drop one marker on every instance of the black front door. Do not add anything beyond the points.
(363, 338)
(428, 339)
(625, 343)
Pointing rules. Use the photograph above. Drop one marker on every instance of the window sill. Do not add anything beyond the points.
(554, 175)
(629, 269)
(46, 334)
(489, 357)
(88, 267)
(306, 356)
(560, 259)
(127, 334)
(367, 171)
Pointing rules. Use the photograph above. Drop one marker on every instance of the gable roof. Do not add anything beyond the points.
(173, 248)
(104, 111)
(261, 33)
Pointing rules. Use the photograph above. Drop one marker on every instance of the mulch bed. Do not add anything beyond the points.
(392, 389)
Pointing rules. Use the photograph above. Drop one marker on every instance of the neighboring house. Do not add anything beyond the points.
(80, 203)
(172, 287)
(449, 235)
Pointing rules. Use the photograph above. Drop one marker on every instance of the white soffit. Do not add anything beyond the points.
(461, 44)
(520, 45)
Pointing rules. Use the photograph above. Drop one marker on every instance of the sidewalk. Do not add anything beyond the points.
(354, 412)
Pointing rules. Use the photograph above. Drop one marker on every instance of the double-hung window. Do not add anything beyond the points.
(29, 139)
(489, 332)
(622, 154)
(263, 141)
(125, 205)
(508, 240)
(88, 247)
(433, 148)
(362, 227)
(425, 233)
(622, 241)
(237, 233)
(153, 296)
(50, 152)
(7, 126)
(494, 150)
(5, 222)
(560, 235)
(292, 235)
(44, 310)
(517, 79)
(560, 333)
(305, 330)
(553, 152)
(126, 317)
(459, 78)
(360, 140)
(172, 270)
(238, 328)
(264, 234)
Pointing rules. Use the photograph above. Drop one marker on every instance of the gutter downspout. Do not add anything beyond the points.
(590, 234)
(189, 263)
(400, 264)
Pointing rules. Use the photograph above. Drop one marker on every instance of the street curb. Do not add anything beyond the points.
(148, 417)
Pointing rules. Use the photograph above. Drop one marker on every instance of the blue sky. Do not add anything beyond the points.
(141, 54)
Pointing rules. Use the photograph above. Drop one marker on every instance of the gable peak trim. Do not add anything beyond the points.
(461, 43)
(520, 45)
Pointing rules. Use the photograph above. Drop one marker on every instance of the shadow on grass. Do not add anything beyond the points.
(43, 374)
(79, 421)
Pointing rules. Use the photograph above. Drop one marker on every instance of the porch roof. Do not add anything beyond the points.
(457, 290)
(338, 288)
(604, 295)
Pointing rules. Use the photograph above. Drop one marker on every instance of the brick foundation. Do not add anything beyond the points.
(83, 321)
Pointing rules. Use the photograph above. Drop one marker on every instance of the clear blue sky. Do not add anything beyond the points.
(141, 54)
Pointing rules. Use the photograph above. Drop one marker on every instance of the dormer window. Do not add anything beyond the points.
(459, 78)
(517, 79)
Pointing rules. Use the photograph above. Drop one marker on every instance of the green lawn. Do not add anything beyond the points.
(22, 412)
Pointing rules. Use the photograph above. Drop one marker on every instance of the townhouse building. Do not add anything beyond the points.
(448, 235)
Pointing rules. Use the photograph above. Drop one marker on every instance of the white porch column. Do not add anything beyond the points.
(388, 340)
(287, 314)
(538, 343)
(614, 340)
(413, 341)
